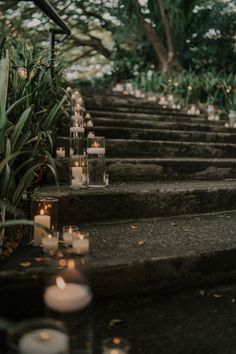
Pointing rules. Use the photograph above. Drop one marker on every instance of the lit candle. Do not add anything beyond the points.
(50, 244)
(44, 220)
(77, 171)
(115, 345)
(80, 243)
(67, 297)
(68, 236)
(44, 341)
(60, 152)
(89, 123)
(96, 149)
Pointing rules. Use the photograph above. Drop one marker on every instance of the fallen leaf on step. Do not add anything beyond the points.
(228, 217)
(233, 301)
(38, 259)
(141, 242)
(25, 264)
(134, 227)
(115, 321)
(173, 224)
(202, 292)
(217, 296)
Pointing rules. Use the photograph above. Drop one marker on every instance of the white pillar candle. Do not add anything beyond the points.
(44, 341)
(60, 152)
(77, 171)
(44, 220)
(67, 297)
(96, 151)
(50, 243)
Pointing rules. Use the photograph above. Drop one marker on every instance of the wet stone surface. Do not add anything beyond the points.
(196, 322)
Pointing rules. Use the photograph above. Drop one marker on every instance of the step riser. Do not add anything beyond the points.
(138, 134)
(134, 108)
(144, 148)
(152, 171)
(157, 117)
(132, 123)
(77, 208)
(129, 148)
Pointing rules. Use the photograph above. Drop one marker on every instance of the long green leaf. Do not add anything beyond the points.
(19, 126)
(4, 76)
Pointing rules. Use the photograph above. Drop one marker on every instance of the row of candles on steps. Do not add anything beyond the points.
(87, 151)
(67, 327)
(67, 295)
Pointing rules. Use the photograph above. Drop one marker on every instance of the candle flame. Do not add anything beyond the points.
(61, 283)
(71, 264)
(76, 164)
(96, 144)
(116, 340)
(114, 351)
(41, 212)
(70, 230)
(81, 237)
(50, 236)
(44, 336)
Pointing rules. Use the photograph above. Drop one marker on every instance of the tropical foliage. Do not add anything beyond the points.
(26, 121)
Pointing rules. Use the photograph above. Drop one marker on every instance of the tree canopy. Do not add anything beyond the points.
(125, 37)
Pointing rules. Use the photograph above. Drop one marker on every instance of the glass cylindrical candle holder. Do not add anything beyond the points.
(50, 243)
(78, 171)
(68, 298)
(44, 211)
(96, 161)
(116, 345)
(77, 140)
(80, 242)
(68, 233)
(38, 336)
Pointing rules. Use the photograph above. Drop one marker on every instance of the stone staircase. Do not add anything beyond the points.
(165, 166)
(165, 223)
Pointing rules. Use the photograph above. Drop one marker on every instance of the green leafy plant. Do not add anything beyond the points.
(25, 141)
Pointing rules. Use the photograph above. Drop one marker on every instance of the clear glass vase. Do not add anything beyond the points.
(96, 161)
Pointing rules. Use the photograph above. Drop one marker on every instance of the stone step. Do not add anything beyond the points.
(160, 134)
(139, 256)
(181, 118)
(123, 106)
(159, 148)
(153, 169)
(138, 200)
(165, 125)
(149, 148)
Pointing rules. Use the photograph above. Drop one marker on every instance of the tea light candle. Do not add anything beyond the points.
(67, 297)
(60, 152)
(44, 341)
(50, 243)
(68, 236)
(89, 123)
(44, 220)
(80, 244)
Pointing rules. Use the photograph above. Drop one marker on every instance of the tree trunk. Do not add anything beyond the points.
(172, 57)
(166, 57)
